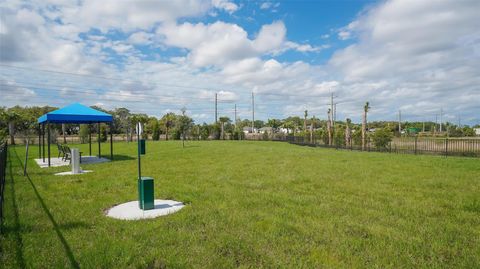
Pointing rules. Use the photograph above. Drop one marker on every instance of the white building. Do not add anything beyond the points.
(477, 131)
(248, 130)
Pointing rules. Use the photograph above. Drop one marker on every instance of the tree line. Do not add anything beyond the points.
(22, 121)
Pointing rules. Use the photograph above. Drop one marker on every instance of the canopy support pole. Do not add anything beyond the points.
(43, 142)
(111, 141)
(89, 140)
(39, 143)
(48, 142)
(98, 138)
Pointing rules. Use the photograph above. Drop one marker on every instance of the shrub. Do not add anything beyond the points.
(381, 138)
(83, 133)
(156, 131)
(103, 133)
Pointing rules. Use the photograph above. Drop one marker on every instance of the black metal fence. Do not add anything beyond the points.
(466, 147)
(3, 173)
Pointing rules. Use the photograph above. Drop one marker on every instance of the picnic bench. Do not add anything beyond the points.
(66, 153)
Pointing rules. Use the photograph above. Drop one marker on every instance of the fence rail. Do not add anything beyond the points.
(466, 147)
(3, 170)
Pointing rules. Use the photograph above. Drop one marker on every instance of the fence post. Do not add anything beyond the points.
(415, 149)
(446, 147)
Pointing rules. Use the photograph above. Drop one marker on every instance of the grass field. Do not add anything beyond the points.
(249, 204)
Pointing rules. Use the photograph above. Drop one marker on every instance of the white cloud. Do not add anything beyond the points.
(140, 38)
(270, 37)
(344, 35)
(266, 5)
(415, 60)
(395, 62)
(269, 5)
(220, 43)
(226, 5)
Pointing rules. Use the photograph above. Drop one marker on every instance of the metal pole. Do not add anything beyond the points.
(441, 119)
(400, 122)
(138, 151)
(111, 141)
(39, 143)
(48, 138)
(26, 158)
(416, 144)
(253, 114)
(216, 111)
(43, 142)
(98, 140)
(89, 140)
(446, 147)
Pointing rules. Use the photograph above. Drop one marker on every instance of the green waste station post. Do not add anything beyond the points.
(145, 184)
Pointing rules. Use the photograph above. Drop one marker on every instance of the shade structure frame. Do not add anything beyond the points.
(79, 114)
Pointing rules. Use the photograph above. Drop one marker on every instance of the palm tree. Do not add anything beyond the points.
(12, 118)
(305, 115)
(364, 124)
(348, 133)
(312, 122)
(63, 133)
(329, 127)
(168, 120)
(223, 120)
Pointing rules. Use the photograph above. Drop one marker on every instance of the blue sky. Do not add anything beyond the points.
(158, 56)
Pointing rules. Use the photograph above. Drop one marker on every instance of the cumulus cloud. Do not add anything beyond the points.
(226, 5)
(220, 43)
(392, 60)
(415, 60)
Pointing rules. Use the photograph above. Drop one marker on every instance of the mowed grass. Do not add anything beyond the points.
(249, 204)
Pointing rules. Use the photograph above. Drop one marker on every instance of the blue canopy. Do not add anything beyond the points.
(76, 113)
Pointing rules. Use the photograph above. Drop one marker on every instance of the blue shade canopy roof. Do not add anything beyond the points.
(75, 113)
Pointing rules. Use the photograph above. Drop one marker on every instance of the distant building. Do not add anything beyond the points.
(265, 130)
(248, 130)
(284, 130)
(477, 131)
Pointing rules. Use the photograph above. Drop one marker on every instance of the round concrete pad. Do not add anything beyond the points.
(71, 173)
(131, 211)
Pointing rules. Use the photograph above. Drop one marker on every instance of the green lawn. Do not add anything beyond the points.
(249, 204)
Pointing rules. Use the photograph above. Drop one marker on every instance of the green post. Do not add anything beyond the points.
(141, 146)
(145, 184)
(145, 193)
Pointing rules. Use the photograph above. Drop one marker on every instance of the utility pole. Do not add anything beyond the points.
(235, 116)
(332, 110)
(423, 129)
(400, 122)
(253, 113)
(441, 118)
(216, 111)
(334, 113)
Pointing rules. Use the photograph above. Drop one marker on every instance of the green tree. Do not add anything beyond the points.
(12, 117)
(381, 138)
(184, 123)
(222, 121)
(84, 132)
(168, 121)
(156, 131)
(122, 121)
